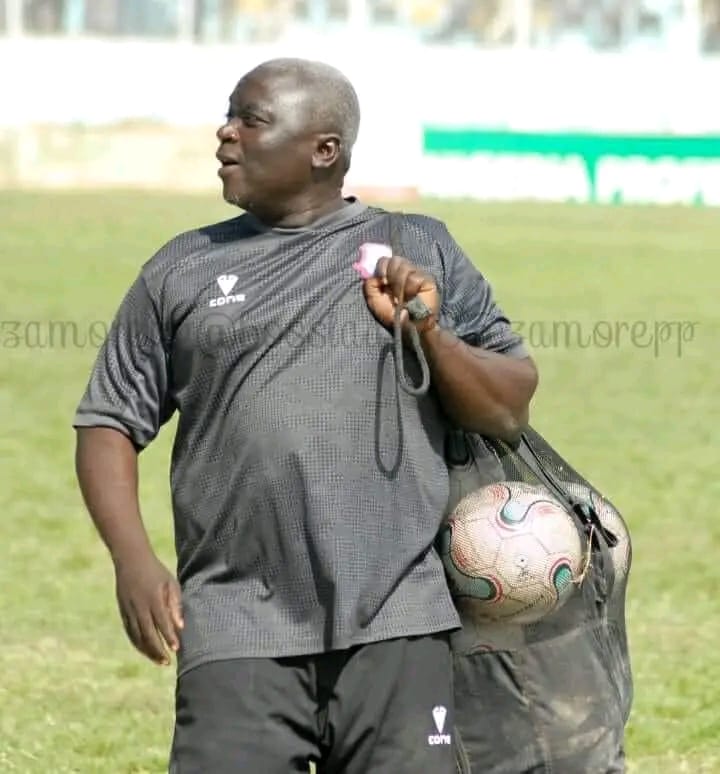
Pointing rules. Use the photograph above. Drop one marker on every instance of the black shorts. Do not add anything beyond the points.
(381, 708)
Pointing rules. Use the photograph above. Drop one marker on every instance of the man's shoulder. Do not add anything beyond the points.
(191, 245)
(424, 226)
(426, 237)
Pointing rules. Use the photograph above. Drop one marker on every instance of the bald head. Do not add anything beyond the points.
(286, 145)
(329, 101)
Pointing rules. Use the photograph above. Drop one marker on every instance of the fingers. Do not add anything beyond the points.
(402, 278)
(150, 629)
(149, 599)
(142, 633)
(375, 286)
(164, 624)
(132, 629)
(153, 646)
(174, 603)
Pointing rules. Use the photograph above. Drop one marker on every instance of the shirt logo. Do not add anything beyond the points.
(439, 715)
(227, 283)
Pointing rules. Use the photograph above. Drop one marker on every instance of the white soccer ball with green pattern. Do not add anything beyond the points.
(512, 552)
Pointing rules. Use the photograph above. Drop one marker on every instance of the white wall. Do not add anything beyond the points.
(401, 86)
(95, 81)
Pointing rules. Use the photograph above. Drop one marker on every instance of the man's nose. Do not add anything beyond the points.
(228, 132)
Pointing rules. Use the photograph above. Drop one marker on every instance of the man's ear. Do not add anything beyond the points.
(327, 151)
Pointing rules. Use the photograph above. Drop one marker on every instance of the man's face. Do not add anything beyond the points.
(266, 145)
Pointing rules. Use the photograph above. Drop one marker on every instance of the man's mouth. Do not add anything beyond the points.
(226, 161)
(227, 165)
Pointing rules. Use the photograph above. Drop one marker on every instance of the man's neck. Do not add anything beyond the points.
(303, 213)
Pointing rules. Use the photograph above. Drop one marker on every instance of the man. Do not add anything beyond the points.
(310, 616)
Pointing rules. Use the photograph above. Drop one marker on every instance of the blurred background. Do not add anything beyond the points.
(526, 97)
(600, 25)
(573, 149)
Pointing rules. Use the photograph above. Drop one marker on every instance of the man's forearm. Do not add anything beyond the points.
(481, 391)
(107, 472)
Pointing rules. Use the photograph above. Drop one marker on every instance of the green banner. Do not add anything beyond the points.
(606, 168)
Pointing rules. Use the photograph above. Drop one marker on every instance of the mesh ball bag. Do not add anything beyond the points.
(554, 695)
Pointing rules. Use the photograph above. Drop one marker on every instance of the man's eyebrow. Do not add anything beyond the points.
(256, 107)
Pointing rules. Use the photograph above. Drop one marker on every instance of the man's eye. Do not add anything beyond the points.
(249, 119)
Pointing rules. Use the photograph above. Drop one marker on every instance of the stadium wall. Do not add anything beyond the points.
(494, 125)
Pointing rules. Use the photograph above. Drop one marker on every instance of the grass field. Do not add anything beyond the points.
(633, 408)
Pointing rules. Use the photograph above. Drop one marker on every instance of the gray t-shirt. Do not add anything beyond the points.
(307, 487)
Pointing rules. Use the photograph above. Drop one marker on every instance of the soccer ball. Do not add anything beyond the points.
(511, 552)
(620, 554)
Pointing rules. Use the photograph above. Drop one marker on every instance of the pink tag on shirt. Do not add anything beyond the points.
(370, 254)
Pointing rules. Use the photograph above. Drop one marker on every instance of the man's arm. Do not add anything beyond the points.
(481, 391)
(148, 595)
(124, 405)
(482, 374)
(107, 472)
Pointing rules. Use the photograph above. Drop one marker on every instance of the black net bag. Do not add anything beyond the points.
(554, 695)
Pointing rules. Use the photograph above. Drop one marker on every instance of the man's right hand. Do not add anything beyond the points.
(150, 605)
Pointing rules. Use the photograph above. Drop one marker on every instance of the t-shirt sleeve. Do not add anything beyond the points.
(128, 386)
(468, 306)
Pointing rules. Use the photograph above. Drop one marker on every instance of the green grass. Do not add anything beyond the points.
(638, 421)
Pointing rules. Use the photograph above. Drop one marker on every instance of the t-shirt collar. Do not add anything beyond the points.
(352, 209)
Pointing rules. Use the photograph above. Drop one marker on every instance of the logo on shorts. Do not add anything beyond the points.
(227, 284)
(439, 715)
